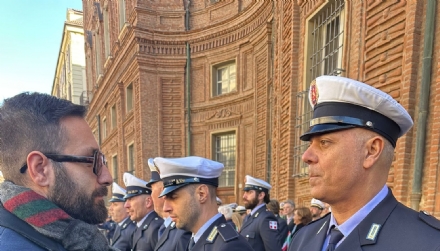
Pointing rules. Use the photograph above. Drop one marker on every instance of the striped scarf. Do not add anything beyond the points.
(49, 220)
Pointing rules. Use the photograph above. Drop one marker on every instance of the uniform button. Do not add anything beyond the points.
(222, 225)
(247, 235)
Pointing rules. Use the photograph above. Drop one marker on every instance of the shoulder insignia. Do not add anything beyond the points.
(156, 218)
(227, 232)
(212, 235)
(429, 219)
(273, 225)
(256, 215)
(374, 230)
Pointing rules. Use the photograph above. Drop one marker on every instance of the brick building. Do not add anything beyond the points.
(227, 80)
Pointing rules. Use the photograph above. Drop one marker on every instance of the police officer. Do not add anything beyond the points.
(316, 207)
(125, 227)
(352, 138)
(190, 199)
(141, 209)
(261, 226)
(170, 237)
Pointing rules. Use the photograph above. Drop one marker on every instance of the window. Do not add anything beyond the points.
(97, 55)
(129, 97)
(131, 159)
(324, 57)
(121, 14)
(104, 128)
(106, 31)
(113, 117)
(224, 152)
(224, 78)
(115, 168)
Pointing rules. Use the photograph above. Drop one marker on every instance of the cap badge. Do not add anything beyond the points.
(314, 93)
(196, 179)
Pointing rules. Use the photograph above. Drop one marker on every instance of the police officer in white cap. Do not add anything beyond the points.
(170, 237)
(141, 209)
(261, 226)
(190, 199)
(316, 207)
(352, 136)
(125, 227)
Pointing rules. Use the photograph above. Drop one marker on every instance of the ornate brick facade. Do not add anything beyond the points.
(268, 41)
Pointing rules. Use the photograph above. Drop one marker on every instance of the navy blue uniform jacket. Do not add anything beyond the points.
(259, 233)
(173, 239)
(400, 229)
(123, 235)
(221, 236)
(146, 236)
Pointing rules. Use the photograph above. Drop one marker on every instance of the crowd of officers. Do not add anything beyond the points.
(141, 220)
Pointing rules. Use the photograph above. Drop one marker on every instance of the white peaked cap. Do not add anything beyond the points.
(118, 189)
(317, 203)
(135, 186)
(256, 184)
(341, 103)
(131, 180)
(118, 193)
(192, 166)
(178, 172)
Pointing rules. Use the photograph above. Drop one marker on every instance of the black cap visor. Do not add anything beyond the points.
(334, 116)
(170, 189)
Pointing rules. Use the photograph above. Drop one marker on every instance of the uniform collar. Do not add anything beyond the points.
(257, 208)
(347, 227)
(167, 221)
(139, 224)
(206, 226)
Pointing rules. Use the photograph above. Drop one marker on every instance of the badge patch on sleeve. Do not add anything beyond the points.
(273, 225)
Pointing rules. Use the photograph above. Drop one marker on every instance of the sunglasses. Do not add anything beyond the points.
(98, 160)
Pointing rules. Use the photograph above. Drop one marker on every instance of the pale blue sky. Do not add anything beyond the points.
(30, 32)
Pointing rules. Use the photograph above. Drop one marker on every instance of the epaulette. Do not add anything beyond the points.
(227, 232)
(429, 219)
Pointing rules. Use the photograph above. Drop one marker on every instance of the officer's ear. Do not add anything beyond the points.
(39, 169)
(202, 193)
(373, 150)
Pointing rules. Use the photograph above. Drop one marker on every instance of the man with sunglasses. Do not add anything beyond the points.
(55, 176)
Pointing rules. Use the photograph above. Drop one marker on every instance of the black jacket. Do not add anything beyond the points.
(396, 227)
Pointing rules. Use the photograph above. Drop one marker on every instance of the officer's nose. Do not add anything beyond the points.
(309, 155)
(166, 206)
(127, 204)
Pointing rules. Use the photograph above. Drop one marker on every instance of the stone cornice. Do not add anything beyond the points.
(173, 43)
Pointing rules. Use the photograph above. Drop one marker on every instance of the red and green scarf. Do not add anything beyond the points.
(50, 220)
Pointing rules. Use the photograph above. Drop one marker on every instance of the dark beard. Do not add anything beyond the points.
(70, 198)
(251, 204)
